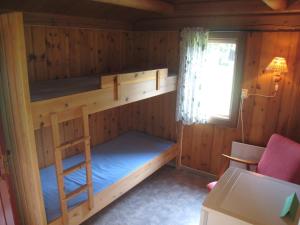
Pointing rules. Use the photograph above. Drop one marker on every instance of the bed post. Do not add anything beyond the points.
(17, 119)
(180, 127)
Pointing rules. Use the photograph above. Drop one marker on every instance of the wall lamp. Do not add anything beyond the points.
(278, 67)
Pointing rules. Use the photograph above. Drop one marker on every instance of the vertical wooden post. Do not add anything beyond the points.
(116, 88)
(59, 167)
(17, 119)
(87, 153)
(180, 128)
(157, 80)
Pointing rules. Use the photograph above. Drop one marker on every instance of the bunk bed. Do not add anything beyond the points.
(24, 113)
(79, 186)
(113, 163)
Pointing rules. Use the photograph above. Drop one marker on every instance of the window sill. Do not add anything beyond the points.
(218, 121)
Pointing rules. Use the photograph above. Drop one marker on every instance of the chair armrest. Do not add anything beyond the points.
(248, 163)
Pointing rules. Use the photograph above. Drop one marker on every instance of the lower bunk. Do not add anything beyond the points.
(117, 166)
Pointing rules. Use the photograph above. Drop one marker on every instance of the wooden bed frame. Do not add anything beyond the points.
(81, 212)
(21, 118)
(116, 90)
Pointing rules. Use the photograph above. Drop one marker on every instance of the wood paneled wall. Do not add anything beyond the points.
(204, 144)
(155, 116)
(55, 52)
(156, 49)
(62, 52)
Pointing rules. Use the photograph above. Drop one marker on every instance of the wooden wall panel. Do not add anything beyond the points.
(62, 52)
(156, 49)
(155, 116)
(204, 144)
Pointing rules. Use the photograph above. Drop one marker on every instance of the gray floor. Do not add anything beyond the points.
(169, 197)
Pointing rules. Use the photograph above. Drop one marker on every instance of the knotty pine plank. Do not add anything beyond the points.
(102, 52)
(251, 68)
(141, 49)
(57, 49)
(289, 79)
(74, 51)
(29, 51)
(113, 54)
(294, 120)
(173, 51)
(217, 149)
(39, 54)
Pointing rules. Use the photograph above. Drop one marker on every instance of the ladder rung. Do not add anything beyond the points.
(74, 168)
(76, 192)
(72, 143)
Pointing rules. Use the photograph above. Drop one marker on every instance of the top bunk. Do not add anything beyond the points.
(66, 96)
(47, 89)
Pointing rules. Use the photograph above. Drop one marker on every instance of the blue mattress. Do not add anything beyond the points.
(111, 161)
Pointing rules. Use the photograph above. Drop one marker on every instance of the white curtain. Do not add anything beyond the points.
(192, 101)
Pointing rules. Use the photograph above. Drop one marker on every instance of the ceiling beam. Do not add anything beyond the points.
(147, 5)
(276, 4)
(275, 22)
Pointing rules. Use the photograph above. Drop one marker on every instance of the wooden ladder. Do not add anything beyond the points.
(60, 172)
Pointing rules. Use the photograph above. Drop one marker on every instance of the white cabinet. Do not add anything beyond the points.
(242, 197)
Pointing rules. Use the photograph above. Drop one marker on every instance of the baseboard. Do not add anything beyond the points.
(192, 170)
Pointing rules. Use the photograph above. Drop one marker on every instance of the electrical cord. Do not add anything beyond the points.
(242, 120)
(265, 96)
(241, 110)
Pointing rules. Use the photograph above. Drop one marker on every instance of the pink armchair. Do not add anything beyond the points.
(281, 160)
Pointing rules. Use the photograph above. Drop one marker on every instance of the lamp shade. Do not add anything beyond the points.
(278, 64)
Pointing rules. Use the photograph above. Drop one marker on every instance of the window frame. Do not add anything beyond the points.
(239, 38)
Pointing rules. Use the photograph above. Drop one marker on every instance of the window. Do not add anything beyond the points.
(223, 71)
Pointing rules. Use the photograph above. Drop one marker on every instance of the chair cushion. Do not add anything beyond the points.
(281, 159)
(211, 185)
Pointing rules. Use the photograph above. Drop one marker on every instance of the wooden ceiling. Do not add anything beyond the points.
(133, 11)
(114, 10)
